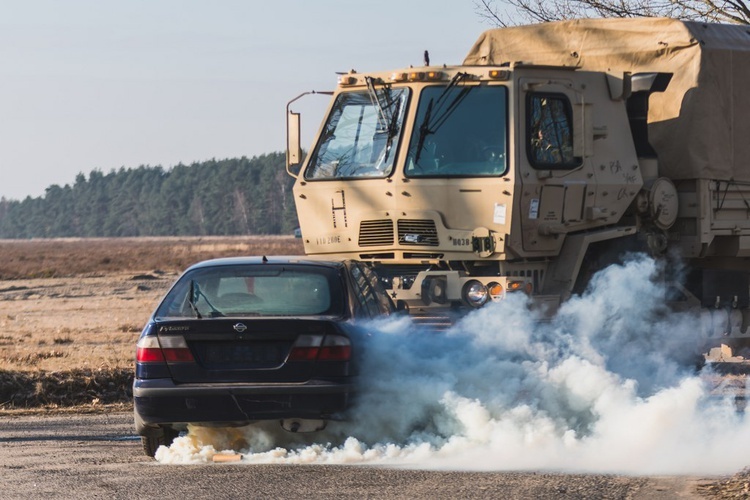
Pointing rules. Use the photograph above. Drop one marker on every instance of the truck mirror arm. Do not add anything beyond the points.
(293, 133)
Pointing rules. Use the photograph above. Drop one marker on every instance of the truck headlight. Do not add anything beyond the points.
(474, 293)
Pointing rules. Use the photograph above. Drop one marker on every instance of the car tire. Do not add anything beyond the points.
(163, 437)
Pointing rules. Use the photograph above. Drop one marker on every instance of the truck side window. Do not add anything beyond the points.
(550, 131)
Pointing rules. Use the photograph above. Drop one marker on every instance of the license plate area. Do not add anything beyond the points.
(236, 355)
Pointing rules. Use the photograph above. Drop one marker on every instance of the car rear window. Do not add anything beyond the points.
(255, 290)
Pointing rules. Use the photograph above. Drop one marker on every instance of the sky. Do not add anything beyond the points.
(101, 84)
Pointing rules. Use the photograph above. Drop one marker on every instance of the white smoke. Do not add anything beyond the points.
(606, 385)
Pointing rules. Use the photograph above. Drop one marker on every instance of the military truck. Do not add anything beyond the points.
(539, 160)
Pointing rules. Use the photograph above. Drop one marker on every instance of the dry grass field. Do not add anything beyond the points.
(71, 309)
(69, 257)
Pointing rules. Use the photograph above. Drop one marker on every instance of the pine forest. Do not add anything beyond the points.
(238, 196)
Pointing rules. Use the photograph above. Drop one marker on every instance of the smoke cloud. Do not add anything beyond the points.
(606, 385)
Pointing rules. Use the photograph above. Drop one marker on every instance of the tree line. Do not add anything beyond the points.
(217, 197)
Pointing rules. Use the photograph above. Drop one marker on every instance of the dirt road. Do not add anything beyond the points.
(97, 456)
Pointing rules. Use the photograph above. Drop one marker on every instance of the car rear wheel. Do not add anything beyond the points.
(164, 437)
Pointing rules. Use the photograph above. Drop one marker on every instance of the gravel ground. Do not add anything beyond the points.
(97, 456)
(53, 444)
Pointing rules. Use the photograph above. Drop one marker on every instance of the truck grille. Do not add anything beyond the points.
(374, 233)
(417, 233)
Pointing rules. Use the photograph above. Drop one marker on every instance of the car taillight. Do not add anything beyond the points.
(175, 349)
(148, 351)
(317, 347)
(170, 349)
(335, 348)
(305, 348)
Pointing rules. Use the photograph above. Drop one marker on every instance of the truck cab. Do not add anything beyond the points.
(549, 153)
(462, 184)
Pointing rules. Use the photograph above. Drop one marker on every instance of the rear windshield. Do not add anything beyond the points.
(255, 290)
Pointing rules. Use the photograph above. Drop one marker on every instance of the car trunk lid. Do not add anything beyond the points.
(254, 350)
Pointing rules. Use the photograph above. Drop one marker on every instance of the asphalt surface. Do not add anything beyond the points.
(97, 456)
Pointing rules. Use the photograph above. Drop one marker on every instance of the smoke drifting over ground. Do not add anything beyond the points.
(606, 385)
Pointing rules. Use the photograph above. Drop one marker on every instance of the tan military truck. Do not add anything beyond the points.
(551, 150)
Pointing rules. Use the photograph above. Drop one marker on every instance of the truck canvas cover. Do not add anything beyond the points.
(700, 126)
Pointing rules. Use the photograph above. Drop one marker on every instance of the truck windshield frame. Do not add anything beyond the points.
(460, 131)
(361, 136)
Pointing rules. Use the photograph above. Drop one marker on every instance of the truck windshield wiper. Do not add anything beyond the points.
(386, 114)
(430, 126)
(424, 130)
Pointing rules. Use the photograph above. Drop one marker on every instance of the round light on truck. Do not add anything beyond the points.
(495, 291)
(474, 293)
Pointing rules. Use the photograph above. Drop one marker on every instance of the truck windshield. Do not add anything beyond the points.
(459, 132)
(361, 135)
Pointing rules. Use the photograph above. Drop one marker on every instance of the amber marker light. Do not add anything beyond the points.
(495, 291)
(499, 74)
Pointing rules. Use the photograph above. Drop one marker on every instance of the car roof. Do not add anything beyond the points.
(271, 260)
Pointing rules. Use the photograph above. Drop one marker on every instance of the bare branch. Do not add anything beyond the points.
(486, 10)
(732, 11)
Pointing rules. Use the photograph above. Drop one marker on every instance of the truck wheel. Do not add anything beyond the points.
(164, 437)
(699, 362)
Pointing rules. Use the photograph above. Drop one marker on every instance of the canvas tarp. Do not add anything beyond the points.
(700, 126)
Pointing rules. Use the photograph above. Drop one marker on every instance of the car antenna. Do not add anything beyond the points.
(426, 58)
(265, 259)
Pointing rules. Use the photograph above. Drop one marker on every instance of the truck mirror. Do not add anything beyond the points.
(293, 141)
(293, 134)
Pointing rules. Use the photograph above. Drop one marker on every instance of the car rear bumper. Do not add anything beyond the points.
(160, 401)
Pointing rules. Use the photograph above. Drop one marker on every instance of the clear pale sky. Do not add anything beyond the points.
(104, 84)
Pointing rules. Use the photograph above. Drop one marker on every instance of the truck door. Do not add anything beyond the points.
(552, 176)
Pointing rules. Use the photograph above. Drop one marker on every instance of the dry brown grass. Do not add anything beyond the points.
(72, 309)
(68, 388)
(54, 258)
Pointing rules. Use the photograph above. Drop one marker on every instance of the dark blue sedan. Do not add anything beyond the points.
(241, 340)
